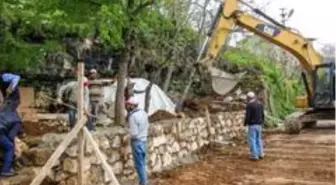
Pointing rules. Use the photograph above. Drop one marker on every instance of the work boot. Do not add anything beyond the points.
(8, 174)
(254, 158)
(261, 156)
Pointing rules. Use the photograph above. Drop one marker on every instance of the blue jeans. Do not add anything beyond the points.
(8, 149)
(255, 141)
(139, 158)
(72, 119)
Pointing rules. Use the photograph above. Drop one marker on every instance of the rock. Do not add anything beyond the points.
(129, 163)
(183, 153)
(228, 99)
(128, 172)
(20, 147)
(60, 176)
(70, 165)
(117, 167)
(96, 175)
(114, 156)
(72, 180)
(243, 97)
(169, 149)
(157, 165)
(183, 144)
(157, 141)
(39, 156)
(105, 144)
(72, 151)
(116, 143)
(170, 139)
(229, 123)
(167, 159)
(193, 146)
(152, 158)
(162, 149)
(212, 131)
(94, 159)
(175, 147)
(51, 140)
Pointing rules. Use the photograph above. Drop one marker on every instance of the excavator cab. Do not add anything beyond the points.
(324, 86)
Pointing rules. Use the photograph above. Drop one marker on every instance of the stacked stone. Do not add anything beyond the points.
(168, 141)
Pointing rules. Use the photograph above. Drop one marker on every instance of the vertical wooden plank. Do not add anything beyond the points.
(80, 113)
(208, 120)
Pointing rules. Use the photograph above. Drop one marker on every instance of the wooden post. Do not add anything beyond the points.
(208, 120)
(80, 114)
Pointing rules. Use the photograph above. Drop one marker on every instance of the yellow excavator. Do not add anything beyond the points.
(318, 75)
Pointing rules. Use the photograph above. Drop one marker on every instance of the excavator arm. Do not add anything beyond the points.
(229, 16)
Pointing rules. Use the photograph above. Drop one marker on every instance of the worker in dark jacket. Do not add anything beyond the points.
(8, 131)
(254, 120)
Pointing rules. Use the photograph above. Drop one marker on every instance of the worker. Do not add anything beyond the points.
(10, 99)
(8, 131)
(138, 121)
(10, 90)
(254, 120)
(94, 96)
(71, 89)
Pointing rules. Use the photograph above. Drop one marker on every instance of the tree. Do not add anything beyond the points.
(133, 11)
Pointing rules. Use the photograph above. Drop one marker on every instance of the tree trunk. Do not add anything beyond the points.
(168, 79)
(152, 78)
(120, 98)
(148, 95)
(186, 90)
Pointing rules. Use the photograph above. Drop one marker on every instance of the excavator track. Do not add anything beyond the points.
(297, 121)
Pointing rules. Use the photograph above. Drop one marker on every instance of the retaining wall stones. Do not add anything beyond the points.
(168, 141)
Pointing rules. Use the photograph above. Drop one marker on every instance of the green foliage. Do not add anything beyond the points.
(282, 90)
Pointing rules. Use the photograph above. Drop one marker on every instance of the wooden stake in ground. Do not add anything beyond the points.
(80, 114)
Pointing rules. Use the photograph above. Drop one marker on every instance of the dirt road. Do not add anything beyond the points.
(305, 159)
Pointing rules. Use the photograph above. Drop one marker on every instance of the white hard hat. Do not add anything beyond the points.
(251, 94)
(93, 71)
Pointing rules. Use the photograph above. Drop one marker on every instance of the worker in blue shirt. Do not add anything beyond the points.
(10, 90)
(11, 100)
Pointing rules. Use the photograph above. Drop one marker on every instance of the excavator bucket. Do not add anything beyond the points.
(223, 82)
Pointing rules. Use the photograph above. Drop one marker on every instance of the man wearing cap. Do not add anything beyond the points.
(254, 120)
(138, 121)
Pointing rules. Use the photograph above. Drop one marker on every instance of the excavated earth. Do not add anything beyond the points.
(305, 159)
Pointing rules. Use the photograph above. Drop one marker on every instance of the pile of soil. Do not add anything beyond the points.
(195, 107)
(161, 115)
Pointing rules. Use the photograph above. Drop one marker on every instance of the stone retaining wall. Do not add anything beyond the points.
(168, 141)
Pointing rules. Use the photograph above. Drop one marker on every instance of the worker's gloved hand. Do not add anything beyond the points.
(59, 101)
(9, 91)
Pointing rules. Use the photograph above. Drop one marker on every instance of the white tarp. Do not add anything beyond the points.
(159, 100)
